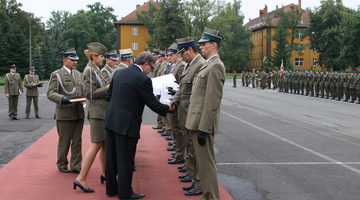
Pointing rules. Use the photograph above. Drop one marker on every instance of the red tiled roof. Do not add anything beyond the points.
(132, 18)
(260, 22)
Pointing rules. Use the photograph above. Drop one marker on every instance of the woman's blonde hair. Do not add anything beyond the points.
(90, 54)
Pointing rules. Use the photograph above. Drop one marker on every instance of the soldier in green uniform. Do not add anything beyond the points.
(357, 87)
(352, 87)
(327, 81)
(111, 60)
(178, 136)
(13, 88)
(202, 120)
(126, 59)
(253, 78)
(31, 82)
(243, 78)
(95, 89)
(189, 53)
(64, 84)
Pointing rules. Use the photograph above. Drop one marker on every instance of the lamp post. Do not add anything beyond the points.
(30, 53)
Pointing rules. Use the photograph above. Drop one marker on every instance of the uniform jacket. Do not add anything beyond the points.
(13, 84)
(31, 91)
(182, 96)
(106, 72)
(129, 91)
(95, 92)
(178, 69)
(207, 92)
(68, 86)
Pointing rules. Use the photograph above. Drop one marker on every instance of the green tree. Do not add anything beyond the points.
(103, 20)
(79, 32)
(324, 33)
(234, 51)
(286, 28)
(38, 63)
(149, 18)
(350, 41)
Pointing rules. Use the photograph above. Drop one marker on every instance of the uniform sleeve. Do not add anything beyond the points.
(52, 92)
(91, 87)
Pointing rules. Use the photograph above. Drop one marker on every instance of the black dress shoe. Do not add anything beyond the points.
(161, 131)
(170, 159)
(188, 187)
(171, 148)
(165, 134)
(170, 143)
(184, 169)
(64, 170)
(157, 127)
(27, 117)
(135, 196)
(169, 138)
(182, 176)
(186, 179)
(102, 179)
(38, 117)
(193, 192)
(14, 118)
(86, 190)
(76, 171)
(176, 161)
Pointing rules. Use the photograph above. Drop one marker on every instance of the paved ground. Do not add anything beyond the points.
(271, 145)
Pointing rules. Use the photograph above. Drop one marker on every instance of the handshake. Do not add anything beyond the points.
(172, 106)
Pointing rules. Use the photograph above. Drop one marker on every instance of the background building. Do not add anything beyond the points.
(263, 47)
(131, 33)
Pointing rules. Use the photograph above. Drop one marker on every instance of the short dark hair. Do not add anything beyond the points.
(195, 48)
(144, 57)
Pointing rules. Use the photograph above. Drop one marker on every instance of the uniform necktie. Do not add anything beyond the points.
(72, 72)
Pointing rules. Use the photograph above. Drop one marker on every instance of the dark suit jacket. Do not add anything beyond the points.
(130, 90)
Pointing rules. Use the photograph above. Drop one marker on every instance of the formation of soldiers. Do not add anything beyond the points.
(335, 85)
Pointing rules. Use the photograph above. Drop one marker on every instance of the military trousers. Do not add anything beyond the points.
(29, 99)
(13, 104)
(178, 137)
(69, 132)
(206, 169)
(190, 161)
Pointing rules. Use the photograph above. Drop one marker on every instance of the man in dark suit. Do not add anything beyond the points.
(130, 90)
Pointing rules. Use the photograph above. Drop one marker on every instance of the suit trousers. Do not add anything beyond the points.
(69, 132)
(28, 105)
(13, 104)
(205, 166)
(120, 155)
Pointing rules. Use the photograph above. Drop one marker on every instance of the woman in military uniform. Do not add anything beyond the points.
(95, 87)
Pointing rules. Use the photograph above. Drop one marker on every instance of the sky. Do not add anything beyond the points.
(42, 9)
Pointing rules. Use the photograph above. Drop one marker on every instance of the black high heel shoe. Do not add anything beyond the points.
(102, 179)
(86, 190)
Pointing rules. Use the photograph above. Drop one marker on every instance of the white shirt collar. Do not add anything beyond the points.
(139, 67)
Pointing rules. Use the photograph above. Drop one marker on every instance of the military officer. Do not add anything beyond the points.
(202, 120)
(243, 78)
(111, 59)
(178, 136)
(13, 88)
(95, 87)
(190, 54)
(31, 82)
(64, 84)
(126, 59)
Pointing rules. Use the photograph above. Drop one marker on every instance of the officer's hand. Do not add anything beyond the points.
(171, 92)
(65, 100)
(7, 95)
(201, 138)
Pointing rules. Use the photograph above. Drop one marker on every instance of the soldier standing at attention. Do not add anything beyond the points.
(189, 53)
(111, 59)
(13, 88)
(64, 84)
(31, 82)
(243, 77)
(202, 120)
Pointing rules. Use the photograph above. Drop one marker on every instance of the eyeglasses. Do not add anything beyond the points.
(152, 68)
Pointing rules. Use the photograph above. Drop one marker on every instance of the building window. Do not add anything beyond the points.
(299, 48)
(315, 62)
(134, 31)
(134, 46)
(299, 62)
(315, 50)
(299, 34)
